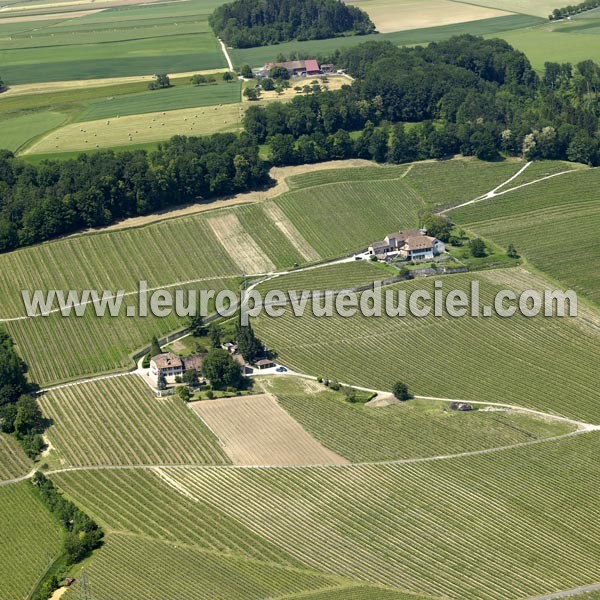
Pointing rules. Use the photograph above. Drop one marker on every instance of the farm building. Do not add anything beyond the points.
(412, 244)
(170, 365)
(265, 363)
(296, 68)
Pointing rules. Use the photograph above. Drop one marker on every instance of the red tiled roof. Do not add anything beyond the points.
(311, 65)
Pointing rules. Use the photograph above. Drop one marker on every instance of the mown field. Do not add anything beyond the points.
(17, 131)
(125, 40)
(31, 539)
(540, 219)
(299, 226)
(414, 429)
(491, 359)
(485, 527)
(120, 421)
(13, 461)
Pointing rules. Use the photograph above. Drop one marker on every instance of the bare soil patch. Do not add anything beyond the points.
(255, 430)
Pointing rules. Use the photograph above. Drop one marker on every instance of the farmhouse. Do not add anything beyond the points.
(296, 68)
(412, 244)
(170, 365)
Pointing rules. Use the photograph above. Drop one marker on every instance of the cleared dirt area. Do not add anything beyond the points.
(240, 245)
(140, 129)
(290, 231)
(401, 15)
(331, 82)
(255, 430)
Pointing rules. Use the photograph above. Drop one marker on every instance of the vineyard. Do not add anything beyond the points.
(119, 421)
(362, 433)
(554, 224)
(142, 503)
(13, 461)
(136, 568)
(30, 540)
(491, 359)
(485, 527)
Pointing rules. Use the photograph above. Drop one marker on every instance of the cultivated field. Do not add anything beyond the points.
(363, 433)
(17, 131)
(491, 359)
(121, 422)
(538, 218)
(121, 41)
(485, 527)
(399, 15)
(141, 129)
(31, 539)
(136, 568)
(149, 503)
(538, 8)
(13, 461)
(255, 430)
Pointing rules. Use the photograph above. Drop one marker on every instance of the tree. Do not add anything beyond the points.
(477, 247)
(155, 348)
(214, 333)
(221, 370)
(184, 393)
(198, 79)
(438, 226)
(252, 93)
(400, 391)
(278, 72)
(227, 76)
(161, 383)
(196, 325)
(190, 377)
(249, 346)
(161, 81)
(267, 84)
(246, 71)
(28, 418)
(511, 252)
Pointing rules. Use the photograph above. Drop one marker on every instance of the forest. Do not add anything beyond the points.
(39, 203)
(249, 23)
(477, 97)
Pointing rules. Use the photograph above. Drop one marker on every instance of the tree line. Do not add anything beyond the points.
(55, 198)
(573, 9)
(249, 23)
(469, 95)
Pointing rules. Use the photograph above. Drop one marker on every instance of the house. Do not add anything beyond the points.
(296, 68)
(265, 363)
(170, 365)
(411, 244)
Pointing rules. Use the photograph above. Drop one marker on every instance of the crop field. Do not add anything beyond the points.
(476, 358)
(562, 205)
(399, 15)
(362, 433)
(255, 430)
(30, 540)
(486, 527)
(17, 131)
(538, 8)
(492, 26)
(13, 461)
(120, 41)
(119, 421)
(558, 42)
(141, 129)
(135, 568)
(144, 502)
(182, 96)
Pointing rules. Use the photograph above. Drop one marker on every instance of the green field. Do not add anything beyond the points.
(120, 421)
(485, 527)
(539, 218)
(261, 55)
(362, 433)
(126, 40)
(490, 359)
(18, 131)
(31, 539)
(170, 99)
(13, 461)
